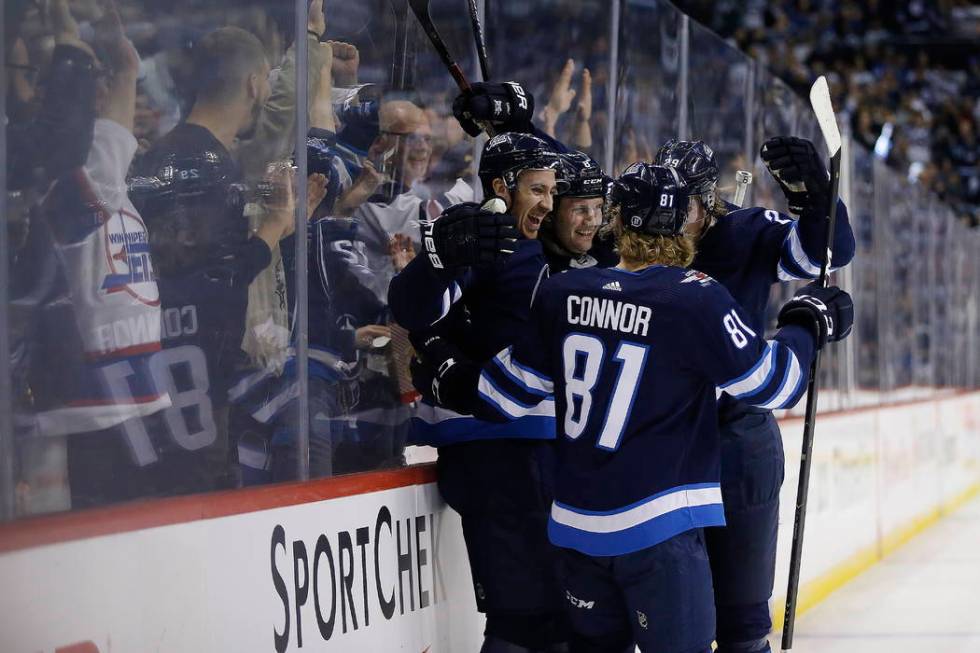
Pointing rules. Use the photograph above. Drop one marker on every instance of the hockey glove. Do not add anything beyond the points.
(441, 373)
(507, 107)
(467, 234)
(827, 312)
(795, 164)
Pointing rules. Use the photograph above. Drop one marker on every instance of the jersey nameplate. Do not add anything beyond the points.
(609, 314)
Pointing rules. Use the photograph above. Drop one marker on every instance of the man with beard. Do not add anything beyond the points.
(189, 191)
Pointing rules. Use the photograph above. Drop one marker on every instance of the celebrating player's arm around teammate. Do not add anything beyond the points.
(473, 282)
(747, 251)
(631, 356)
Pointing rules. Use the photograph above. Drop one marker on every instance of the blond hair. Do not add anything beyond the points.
(636, 249)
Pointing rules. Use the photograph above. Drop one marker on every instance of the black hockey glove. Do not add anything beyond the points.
(795, 164)
(441, 373)
(466, 234)
(507, 107)
(827, 312)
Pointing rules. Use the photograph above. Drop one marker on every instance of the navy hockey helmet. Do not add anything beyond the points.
(584, 176)
(507, 155)
(182, 181)
(696, 164)
(652, 199)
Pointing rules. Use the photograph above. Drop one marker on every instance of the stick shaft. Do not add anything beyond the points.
(481, 44)
(421, 10)
(802, 490)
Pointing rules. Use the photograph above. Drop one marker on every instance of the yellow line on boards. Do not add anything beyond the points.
(816, 590)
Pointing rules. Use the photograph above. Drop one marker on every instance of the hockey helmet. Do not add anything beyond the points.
(696, 164)
(507, 155)
(652, 199)
(584, 176)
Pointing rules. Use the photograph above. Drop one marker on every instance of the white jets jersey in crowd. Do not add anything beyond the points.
(102, 287)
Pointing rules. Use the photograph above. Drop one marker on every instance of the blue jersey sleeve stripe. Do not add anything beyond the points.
(755, 378)
(535, 383)
(794, 262)
(514, 388)
(787, 394)
(783, 273)
(503, 402)
(798, 254)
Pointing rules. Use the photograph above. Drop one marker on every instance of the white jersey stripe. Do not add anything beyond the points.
(529, 379)
(790, 385)
(757, 377)
(619, 521)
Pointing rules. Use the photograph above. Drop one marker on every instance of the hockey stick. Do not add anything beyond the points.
(820, 100)
(421, 10)
(743, 179)
(481, 44)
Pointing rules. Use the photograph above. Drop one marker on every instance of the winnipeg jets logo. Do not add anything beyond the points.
(128, 267)
(692, 276)
(613, 285)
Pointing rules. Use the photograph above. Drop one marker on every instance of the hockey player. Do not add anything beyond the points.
(747, 251)
(496, 476)
(569, 233)
(632, 356)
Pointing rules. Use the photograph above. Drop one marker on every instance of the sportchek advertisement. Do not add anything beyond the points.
(381, 572)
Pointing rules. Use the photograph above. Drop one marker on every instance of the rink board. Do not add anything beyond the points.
(382, 571)
(878, 478)
(229, 571)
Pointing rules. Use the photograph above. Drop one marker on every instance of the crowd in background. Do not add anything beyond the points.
(149, 167)
(907, 74)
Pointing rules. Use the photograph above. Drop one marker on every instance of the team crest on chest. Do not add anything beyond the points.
(127, 250)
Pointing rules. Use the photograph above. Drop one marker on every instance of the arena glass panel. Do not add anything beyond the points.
(865, 277)
(139, 279)
(649, 75)
(719, 79)
(398, 156)
(560, 51)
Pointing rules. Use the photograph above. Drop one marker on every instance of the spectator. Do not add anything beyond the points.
(200, 239)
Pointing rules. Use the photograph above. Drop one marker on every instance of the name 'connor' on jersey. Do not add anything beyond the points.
(633, 360)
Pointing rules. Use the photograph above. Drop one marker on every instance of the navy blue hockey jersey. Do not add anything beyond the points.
(748, 250)
(481, 311)
(633, 361)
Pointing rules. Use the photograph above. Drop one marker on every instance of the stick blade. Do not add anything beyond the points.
(824, 110)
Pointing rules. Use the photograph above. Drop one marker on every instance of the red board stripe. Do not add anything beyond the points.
(150, 513)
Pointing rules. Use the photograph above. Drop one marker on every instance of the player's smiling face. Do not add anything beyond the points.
(531, 201)
(576, 222)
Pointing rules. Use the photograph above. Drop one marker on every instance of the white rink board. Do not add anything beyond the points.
(209, 585)
(874, 473)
